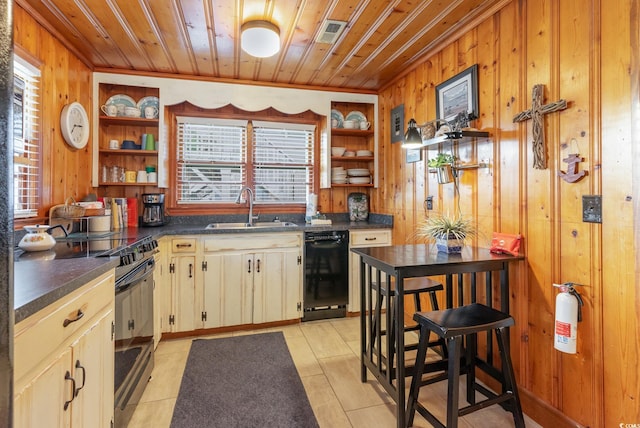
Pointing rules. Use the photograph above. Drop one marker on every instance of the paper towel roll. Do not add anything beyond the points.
(100, 223)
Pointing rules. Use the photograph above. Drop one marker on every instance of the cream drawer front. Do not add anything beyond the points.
(37, 337)
(370, 238)
(183, 245)
(253, 241)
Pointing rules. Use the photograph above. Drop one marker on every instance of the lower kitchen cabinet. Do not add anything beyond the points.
(359, 239)
(184, 285)
(227, 280)
(64, 371)
(252, 279)
(158, 278)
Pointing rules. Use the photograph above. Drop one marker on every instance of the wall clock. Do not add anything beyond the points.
(74, 125)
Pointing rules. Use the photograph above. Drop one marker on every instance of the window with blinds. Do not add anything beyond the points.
(216, 158)
(26, 139)
(282, 158)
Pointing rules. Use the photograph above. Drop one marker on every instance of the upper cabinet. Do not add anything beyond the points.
(353, 148)
(126, 156)
(210, 95)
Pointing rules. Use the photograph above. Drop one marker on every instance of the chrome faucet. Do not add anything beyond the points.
(239, 200)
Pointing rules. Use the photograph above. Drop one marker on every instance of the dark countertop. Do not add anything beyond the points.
(38, 284)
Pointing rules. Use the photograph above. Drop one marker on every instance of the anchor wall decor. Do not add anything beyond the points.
(572, 175)
(536, 112)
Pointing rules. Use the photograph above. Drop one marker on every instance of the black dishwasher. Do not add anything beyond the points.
(326, 277)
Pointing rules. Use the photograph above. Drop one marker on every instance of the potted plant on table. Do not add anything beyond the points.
(450, 234)
(443, 163)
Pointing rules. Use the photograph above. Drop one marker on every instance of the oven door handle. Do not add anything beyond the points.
(138, 274)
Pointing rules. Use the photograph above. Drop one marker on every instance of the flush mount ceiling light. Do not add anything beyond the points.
(260, 38)
(412, 139)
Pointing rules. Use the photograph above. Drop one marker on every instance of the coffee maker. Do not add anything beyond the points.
(153, 212)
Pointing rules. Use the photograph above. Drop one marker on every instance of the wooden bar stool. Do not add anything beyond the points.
(453, 325)
(415, 287)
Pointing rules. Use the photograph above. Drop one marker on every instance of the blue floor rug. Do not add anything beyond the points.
(243, 381)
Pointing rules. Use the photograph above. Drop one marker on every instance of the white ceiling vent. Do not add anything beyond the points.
(330, 31)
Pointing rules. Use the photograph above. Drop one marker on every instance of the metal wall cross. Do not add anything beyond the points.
(536, 112)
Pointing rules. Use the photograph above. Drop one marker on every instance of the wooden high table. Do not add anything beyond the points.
(409, 261)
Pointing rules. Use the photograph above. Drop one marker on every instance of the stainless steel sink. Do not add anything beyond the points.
(257, 225)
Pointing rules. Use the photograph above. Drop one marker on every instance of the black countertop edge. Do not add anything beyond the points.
(38, 284)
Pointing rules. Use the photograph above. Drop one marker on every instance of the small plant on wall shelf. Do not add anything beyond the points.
(441, 159)
(443, 163)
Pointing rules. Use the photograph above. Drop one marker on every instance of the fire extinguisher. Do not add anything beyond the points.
(568, 314)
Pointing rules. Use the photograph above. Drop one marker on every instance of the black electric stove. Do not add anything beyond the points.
(83, 246)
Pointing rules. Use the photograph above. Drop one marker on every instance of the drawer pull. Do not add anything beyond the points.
(258, 266)
(67, 376)
(183, 245)
(370, 239)
(67, 321)
(249, 266)
(84, 376)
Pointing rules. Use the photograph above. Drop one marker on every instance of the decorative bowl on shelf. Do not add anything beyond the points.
(130, 145)
(338, 151)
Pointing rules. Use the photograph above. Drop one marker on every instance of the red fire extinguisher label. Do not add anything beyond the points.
(563, 329)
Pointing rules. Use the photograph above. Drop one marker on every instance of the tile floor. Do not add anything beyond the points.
(326, 356)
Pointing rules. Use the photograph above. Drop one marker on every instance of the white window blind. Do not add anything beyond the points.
(211, 160)
(216, 158)
(26, 139)
(282, 162)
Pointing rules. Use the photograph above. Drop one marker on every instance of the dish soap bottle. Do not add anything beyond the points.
(312, 207)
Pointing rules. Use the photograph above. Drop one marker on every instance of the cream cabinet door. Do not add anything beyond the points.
(277, 285)
(184, 314)
(158, 289)
(42, 402)
(93, 365)
(228, 289)
(360, 239)
(76, 388)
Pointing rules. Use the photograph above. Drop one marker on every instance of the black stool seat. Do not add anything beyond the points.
(453, 325)
(463, 320)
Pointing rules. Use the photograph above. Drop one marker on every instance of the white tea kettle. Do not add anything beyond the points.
(37, 239)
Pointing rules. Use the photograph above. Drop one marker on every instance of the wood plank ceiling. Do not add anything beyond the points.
(201, 37)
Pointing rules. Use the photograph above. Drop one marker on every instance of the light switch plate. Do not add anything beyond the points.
(592, 208)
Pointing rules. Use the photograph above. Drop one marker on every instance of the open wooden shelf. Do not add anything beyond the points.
(454, 136)
(351, 132)
(124, 120)
(130, 152)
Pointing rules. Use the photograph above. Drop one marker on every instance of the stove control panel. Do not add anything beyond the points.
(137, 252)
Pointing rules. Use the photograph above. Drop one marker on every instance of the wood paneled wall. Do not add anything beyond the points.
(64, 79)
(581, 52)
(585, 52)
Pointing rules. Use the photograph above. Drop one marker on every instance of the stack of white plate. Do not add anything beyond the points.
(358, 176)
(338, 175)
(364, 153)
